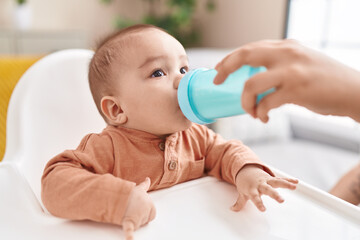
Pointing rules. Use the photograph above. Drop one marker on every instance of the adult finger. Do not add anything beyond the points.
(268, 190)
(256, 199)
(128, 227)
(257, 84)
(281, 183)
(254, 54)
(240, 203)
(270, 101)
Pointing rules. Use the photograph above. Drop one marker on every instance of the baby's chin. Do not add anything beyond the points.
(184, 125)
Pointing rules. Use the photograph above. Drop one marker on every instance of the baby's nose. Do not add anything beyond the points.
(177, 80)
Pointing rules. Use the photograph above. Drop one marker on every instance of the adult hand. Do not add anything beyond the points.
(140, 209)
(299, 75)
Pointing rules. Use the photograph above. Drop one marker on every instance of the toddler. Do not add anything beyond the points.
(148, 144)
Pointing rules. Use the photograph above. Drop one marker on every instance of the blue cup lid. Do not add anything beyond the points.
(184, 98)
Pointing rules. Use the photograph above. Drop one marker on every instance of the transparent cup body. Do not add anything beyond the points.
(208, 101)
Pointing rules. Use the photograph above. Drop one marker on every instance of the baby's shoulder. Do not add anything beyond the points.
(97, 139)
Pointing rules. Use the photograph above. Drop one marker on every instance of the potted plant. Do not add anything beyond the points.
(178, 20)
(22, 15)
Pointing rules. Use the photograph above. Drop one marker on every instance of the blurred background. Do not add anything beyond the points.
(81, 23)
(318, 149)
(30, 29)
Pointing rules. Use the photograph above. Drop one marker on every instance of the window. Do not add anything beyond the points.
(331, 26)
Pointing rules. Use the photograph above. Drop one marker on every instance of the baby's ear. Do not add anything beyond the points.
(112, 110)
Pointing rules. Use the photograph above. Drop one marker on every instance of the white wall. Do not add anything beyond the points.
(234, 22)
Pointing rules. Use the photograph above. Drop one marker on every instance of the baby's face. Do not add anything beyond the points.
(147, 82)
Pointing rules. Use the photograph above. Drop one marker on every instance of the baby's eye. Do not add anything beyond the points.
(183, 70)
(158, 73)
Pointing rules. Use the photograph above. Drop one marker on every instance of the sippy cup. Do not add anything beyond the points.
(201, 101)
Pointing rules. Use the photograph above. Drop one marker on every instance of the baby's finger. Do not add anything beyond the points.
(292, 180)
(145, 184)
(128, 227)
(152, 214)
(267, 190)
(256, 199)
(240, 203)
(144, 220)
(281, 183)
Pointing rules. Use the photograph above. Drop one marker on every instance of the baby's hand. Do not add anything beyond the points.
(252, 182)
(140, 209)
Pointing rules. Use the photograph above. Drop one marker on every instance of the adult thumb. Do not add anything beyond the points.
(145, 184)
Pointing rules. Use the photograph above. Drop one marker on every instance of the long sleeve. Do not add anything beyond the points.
(224, 159)
(78, 184)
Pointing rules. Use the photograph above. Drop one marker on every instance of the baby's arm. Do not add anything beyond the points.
(224, 159)
(79, 185)
(232, 161)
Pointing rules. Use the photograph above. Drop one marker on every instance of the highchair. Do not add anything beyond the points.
(51, 109)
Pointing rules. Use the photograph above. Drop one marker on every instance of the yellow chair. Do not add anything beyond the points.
(11, 69)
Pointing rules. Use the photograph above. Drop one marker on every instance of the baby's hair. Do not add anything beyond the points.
(100, 72)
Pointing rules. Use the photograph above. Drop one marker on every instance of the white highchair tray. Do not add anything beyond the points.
(198, 209)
